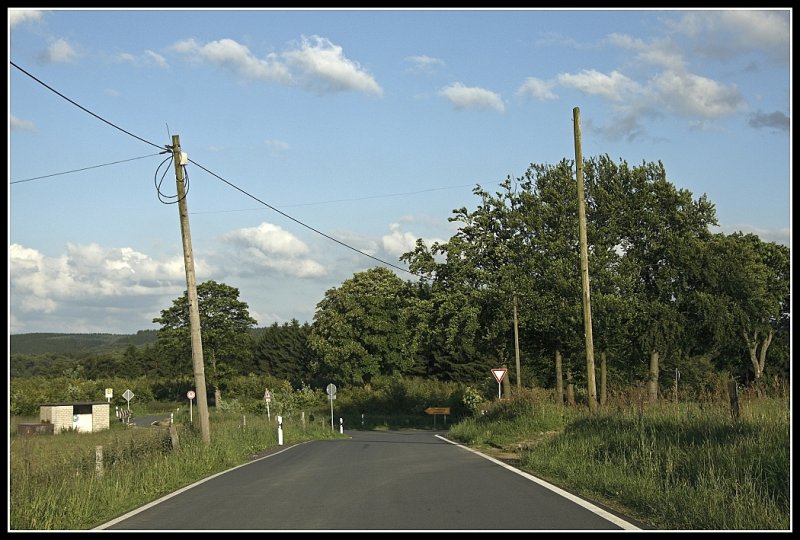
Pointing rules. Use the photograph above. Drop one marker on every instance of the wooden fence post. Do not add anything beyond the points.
(734, 395)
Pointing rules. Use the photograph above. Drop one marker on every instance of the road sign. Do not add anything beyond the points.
(190, 394)
(267, 396)
(331, 389)
(499, 373)
(128, 395)
(438, 410)
(109, 393)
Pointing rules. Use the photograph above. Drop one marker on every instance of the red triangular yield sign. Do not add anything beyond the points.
(499, 373)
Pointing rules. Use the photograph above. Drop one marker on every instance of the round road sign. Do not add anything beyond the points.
(190, 394)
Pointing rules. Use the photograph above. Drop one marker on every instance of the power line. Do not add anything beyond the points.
(85, 109)
(82, 169)
(168, 147)
(333, 201)
(284, 214)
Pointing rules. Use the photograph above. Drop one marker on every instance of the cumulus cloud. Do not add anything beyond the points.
(774, 120)
(88, 274)
(325, 65)
(19, 124)
(314, 63)
(659, 52)
(19, 16)
(270, 246)
(59, 52)
(472, 97)
(696, 96)
(615, 87)
(722, 33)
(537, 88)
(398, 242)
(229, 54)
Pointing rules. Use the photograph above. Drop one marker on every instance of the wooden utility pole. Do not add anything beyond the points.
(191, 290)
(516, 344)
(587, 310)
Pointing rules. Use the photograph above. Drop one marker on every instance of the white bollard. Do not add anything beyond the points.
(280, 431)
(341, 426)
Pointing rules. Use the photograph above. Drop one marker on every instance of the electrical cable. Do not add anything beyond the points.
(82, 169)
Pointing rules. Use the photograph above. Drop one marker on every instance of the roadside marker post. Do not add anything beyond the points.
(280, 431)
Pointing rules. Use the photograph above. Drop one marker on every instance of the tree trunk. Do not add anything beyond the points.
(570, 388)
(559, 380)
(603, 389)
(758, 358)
(652, 380)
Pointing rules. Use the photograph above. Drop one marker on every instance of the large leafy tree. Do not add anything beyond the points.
(361, 329)
(225, 324)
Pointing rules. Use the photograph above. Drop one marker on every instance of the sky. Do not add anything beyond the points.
(323, 143)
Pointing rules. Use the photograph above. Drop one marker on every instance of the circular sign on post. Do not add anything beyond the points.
(190, 394)
(331, 389)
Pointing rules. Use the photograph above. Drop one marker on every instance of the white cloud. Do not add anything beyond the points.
(19, 124)
(664, 52)
(472, 97)
(19, 16)
(537, 88)
(147, 58)
(426, 64)
(325, 65)
(398, 242)
(87, 274)
(775, 120)
(615, 87)
(728, 31)
(60, 51)
(315, 63)
(270, 246)
(229, 54)
(695, 96)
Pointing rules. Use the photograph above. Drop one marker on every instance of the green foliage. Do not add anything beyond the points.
(360, 330)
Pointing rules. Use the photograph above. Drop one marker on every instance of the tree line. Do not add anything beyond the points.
(670, 300)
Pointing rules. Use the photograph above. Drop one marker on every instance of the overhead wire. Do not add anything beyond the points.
(169, 147)
(81, 169)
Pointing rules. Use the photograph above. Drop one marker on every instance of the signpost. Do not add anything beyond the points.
(190, 395)
(267, 398)
(499, 373)
(438, 410)
(331, 390)
(128, 395)
(109, 394)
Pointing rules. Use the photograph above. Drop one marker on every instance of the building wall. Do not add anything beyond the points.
(58, 415)
(61, 416)
(101, 416)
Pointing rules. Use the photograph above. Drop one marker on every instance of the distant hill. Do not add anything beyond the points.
(40, 343)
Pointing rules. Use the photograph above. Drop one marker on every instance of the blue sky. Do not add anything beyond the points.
(370, 126)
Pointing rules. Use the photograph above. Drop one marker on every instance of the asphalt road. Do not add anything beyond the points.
(375, 480)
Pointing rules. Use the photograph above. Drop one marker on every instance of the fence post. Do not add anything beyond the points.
(98, 461)
(734, 395)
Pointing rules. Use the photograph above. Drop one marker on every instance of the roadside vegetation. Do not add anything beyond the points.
(685, 466)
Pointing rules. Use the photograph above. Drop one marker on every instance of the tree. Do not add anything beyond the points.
(361, 328)
(283, 352)
(225, 324)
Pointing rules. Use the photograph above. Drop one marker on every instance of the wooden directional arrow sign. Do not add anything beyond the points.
(438, 410)
(499, 373)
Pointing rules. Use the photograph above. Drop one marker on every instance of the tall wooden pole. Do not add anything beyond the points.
(516, 344)
(587, 310)
(191, 290)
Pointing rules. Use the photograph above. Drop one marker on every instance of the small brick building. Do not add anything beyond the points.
(84, 417)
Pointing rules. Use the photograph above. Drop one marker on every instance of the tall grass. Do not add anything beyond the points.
(55, 485)
(687, 467)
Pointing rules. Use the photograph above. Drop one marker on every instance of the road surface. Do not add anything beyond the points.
(375, 480)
